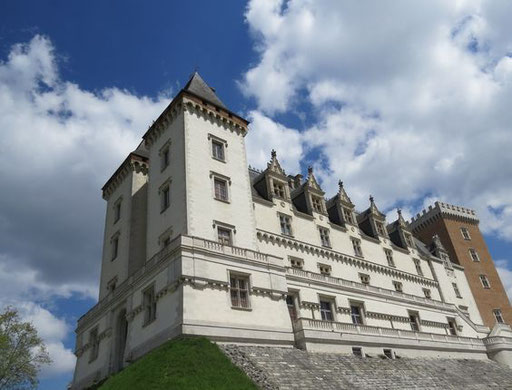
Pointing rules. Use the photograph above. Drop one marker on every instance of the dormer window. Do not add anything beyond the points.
(317, 204)
(278, 189)
(347, 215)
(408, 240)
(380, 228)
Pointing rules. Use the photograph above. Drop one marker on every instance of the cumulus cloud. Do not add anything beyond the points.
(408, 101)
(59, 145)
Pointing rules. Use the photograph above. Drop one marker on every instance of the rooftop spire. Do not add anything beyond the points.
(274, 165)
(343, 194)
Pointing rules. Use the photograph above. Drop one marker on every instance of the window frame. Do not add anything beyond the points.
(389, 257)
(356, 245)
(222, 143)
(225, 229)
(465, 233)
(235, 287)
(359, 317)
(220, 195)
(114, 246)
(287, 223)
(324, 269)
(149, 304)
(414, 318)
(498, 313)
(427, 292)
(417, 265)
(117, 210)
(281, 189)
(316, 204)
(165, 195)
(296, 262)
(347, 215)
(473, 254)
(94, 342)
(485, 281)
(381, 229)
(165, 155)
(325, 238)
(399, 286)
(456, 290)
(330, 310)
(364, 278)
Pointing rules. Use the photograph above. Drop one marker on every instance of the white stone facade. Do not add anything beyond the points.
(263, 283)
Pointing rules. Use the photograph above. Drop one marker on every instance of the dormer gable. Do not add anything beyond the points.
(309, 197)
(273, 182)
(372, 222)
(437, 249)
(399, 233)
(340, 208)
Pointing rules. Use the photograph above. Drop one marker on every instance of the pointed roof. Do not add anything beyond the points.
(343, 194)
(198, 87)
(373, 208)
(274, 165)
(311, 180)
(401, 220)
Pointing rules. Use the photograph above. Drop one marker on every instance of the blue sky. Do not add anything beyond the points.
(411, 107)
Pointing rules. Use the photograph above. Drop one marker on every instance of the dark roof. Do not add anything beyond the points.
(198, 87)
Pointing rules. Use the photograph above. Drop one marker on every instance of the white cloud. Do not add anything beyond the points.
(407, 106)
(60, 143)
(505, 272)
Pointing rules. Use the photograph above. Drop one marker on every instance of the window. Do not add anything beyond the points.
(94, 343)
(324, 237)
(317, 203)
(414, 321)
(324, 269)
(474, 255)
(166, 242)
(356, 313)
(356, 244)
(165, 158)
(347, 215)
(389, 257)
(292, 310)
(465, 233)
(428, 293)
(165, 198)
(358, 351)
(117, 211)
(115, 246)
(380, 228)
(326, 310)
(389, 353)
(485, 281)
(452, 327)
(498, 316)
(224, 235)
(365, 279)
(149, 305)
(221, 189)
(286, 224)
(456, 290)
(398, 286)
(111, 285)
(417, 264)
(278, 189)
(218, 150)
(239, 288)
(408, 240)
(295, 262)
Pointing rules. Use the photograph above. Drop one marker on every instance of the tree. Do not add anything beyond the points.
(22, 352)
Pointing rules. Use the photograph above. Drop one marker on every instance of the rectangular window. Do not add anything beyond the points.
(317, 203)
(414, 321)
(278, 189)
(428, 293)
(398, 286)
(356, 313)
(165, 157)
(358, 351)
(498, 316)
(474, 255)
(380, 228)
(286, 224)
(408, 240)
(115, 247)
(356, 244)
(221, 189)
(465, 233)
(165, 198)
(218, 150)
(111, 285)
(149, 305)
(389, 353)
(365, 279)
(347, 215)
(224, 236)
(166, 242)
(456, 290)
(295, 262)
(94, 343)
(324, 269)
(417, 264)
(452, 327)
(389, 257)
(324, 237)
(117, 211)
(485, 281)
(239, 289)
(326, 310)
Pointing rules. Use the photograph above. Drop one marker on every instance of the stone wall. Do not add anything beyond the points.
(290, 368)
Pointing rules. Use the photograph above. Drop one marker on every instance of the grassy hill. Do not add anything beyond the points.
(189, 363)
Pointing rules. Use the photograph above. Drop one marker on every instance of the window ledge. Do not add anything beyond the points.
(149, 322)
(219, 159)
(222, 200)
(163, 210)
(241, 308)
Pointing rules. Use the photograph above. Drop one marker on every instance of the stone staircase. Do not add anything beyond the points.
(290, 368)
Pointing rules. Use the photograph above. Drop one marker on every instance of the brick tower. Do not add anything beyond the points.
(457, 227)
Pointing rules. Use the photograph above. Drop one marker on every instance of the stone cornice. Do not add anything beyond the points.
(340, 257)
(132, 163)
(444, 210)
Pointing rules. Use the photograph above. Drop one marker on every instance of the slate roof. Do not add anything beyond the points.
(198, 87)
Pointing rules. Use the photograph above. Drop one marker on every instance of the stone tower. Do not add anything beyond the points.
(457, 228)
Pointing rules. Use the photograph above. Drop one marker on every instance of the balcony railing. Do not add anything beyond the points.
(365, 287)
(367, 330)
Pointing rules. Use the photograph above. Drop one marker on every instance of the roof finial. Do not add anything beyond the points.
(399, 211)
(340, 184)
(310, 170)
(371, 199)
(273, 153)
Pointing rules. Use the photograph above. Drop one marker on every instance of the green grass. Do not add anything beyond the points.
(187, 363)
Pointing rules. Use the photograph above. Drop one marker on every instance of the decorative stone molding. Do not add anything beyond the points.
(163, 121)
(133, 163)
